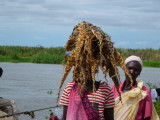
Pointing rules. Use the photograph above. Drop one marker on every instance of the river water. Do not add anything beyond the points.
(28, 84)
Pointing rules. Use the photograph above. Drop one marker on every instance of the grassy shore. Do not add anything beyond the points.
(54, 55)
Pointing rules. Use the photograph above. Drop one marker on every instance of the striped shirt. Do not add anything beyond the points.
(104, 97)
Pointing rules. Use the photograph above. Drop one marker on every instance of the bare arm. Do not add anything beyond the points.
(109, 113)
(64, 112)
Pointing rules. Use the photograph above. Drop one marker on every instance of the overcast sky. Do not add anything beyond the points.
(48, 23)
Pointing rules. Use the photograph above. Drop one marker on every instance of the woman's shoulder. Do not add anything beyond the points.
(69, 85)
(145, 89)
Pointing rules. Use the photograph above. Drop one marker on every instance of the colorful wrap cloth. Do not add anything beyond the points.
(127, 108)
(79, 107)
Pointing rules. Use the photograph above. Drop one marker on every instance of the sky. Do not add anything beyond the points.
(130, 23)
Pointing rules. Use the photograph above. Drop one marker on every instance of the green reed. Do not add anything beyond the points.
(157, 107)
(54, 55)
(145, 54)
(54, 59)
(152, 63)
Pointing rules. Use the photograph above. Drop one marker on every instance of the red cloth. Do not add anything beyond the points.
(145, 105)
(53, 117)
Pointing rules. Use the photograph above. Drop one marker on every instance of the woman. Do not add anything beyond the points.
(136, 98)
(85, 98)
(76, 106)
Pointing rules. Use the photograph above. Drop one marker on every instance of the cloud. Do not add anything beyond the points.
(138, 19)
(136, 14)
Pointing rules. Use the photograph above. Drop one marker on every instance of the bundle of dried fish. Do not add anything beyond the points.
(91, 47)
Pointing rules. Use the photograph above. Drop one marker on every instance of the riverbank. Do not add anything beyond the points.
(55, 55)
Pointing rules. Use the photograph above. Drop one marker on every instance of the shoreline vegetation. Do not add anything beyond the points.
(55, 55)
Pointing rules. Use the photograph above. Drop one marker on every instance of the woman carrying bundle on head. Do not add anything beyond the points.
(85, 98)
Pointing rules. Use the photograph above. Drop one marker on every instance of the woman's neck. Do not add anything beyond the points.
(127, 85)
(89, 86)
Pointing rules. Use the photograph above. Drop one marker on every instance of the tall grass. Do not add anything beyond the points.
(152, 63)
(145, 54)
(54, 55)
(54, 59)
(31, 54)
(30, 51)
(157, 107)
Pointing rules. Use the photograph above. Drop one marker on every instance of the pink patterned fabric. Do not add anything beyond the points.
(102, 99)
(79, 107)
(145, 105)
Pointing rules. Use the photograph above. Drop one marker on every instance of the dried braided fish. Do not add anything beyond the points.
(90, 46)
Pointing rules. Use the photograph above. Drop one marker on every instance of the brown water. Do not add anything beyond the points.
(28, 84)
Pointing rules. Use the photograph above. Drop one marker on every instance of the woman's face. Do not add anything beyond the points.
(134, 69)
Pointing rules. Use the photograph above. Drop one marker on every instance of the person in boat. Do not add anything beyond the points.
(136, 102)
(86, 98)
(7, 106)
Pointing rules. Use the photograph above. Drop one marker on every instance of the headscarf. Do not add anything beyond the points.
(134, 58)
